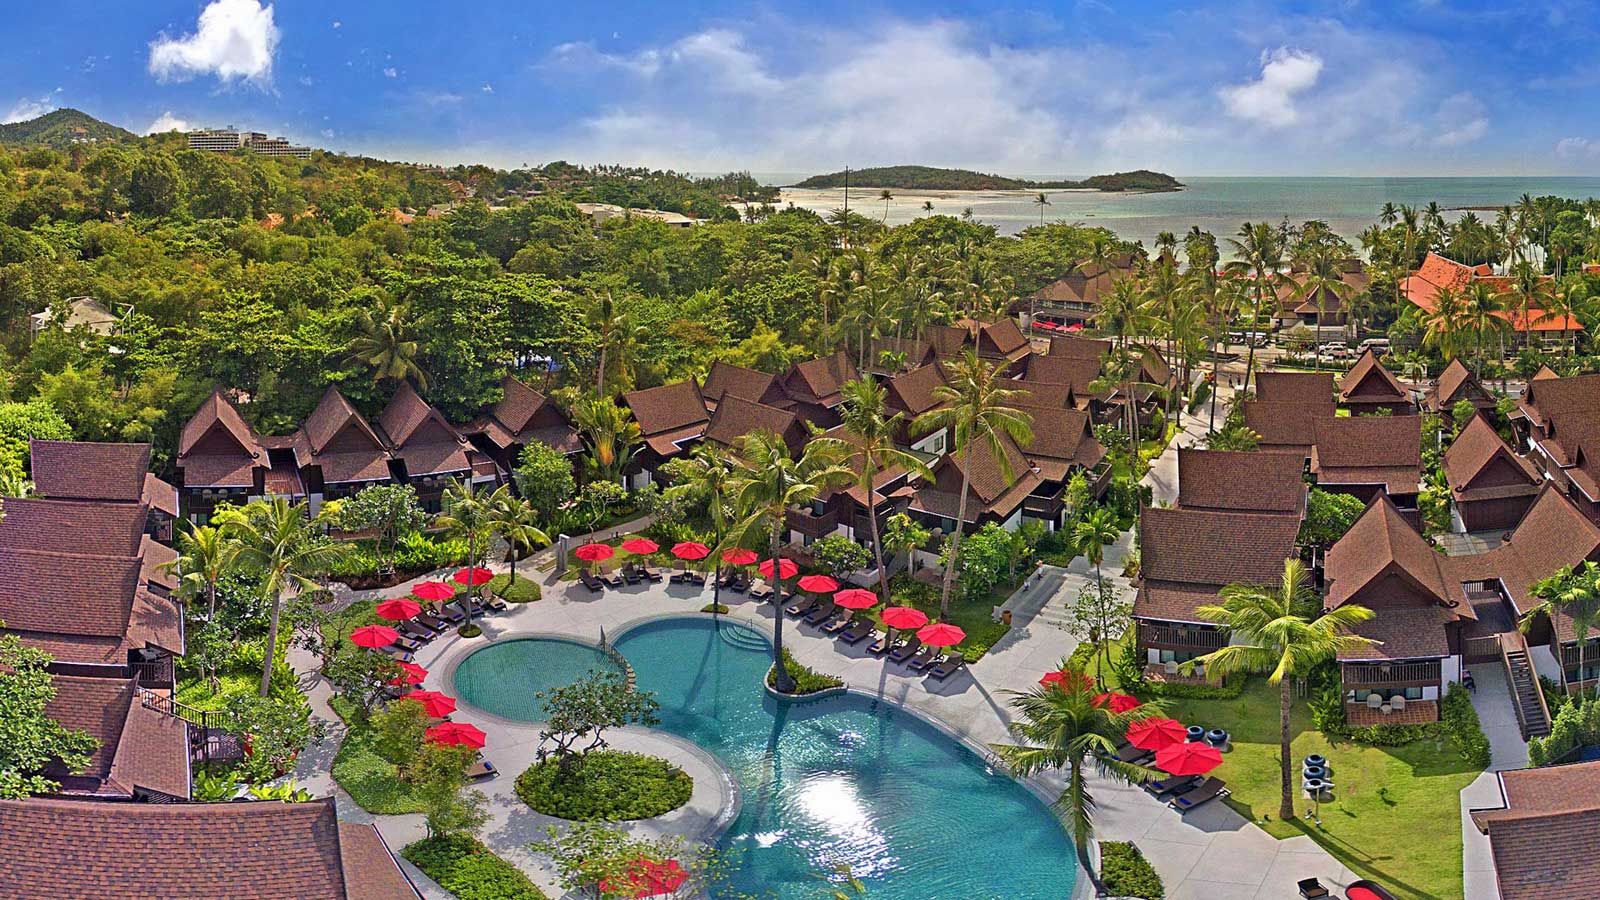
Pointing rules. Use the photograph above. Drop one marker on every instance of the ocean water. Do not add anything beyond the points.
(1218, 205)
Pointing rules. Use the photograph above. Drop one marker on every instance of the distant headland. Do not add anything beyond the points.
(929, 178)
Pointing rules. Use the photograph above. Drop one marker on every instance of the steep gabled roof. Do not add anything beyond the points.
(1455, 384)
(82, 470)
(1383, 450)
(525, 416)
(1382, 542)
(736, 417)
(333, 417)
(1369, 382)
(217, 447)
(669, 415)
(726, 379)
(1071, 345)
(913, 392)
(1240, 481)
(818, 380)
(1545, 841)
(1553, 533)
(1078, 372)
(140, 748)
(1062, 439)
(1002, 339)
(1286, 425)
(1311, 388)
(1471, 454)
(1215, 549)
(338, 439)
(72, 526)
(217, 412)
(422, 436)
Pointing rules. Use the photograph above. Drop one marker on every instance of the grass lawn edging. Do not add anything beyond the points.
(371, 781)
(523, 590)
(465, 867)
(606, 785)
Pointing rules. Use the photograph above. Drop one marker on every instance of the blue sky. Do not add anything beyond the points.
(1197, 88)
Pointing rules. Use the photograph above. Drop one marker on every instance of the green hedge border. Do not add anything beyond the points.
(471, 871)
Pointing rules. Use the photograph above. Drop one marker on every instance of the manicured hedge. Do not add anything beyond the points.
(470, 870)
(606, 785)
(1127, 873)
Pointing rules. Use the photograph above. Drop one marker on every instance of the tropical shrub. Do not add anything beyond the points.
(1127, 873)
(1576, 725)
(469, 870)
(806, 679)
(605, 786)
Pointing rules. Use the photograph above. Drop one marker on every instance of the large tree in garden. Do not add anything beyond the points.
(610, 434)
(871, 451)
(975, 405)
(1258, 252)
(205, 555)
(515, 521)
(1091, 536)
(1280, 631)
(385, 343)
(31, 740)
(707, 475)
(1574, 594)
(469, 514)
(769, 482)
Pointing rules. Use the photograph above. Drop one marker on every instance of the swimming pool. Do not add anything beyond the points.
(504, 677)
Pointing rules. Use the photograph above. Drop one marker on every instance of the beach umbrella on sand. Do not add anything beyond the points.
(691, 550)
(1065, 678)
(786, 569)
(1156, 734)
(434, 591)
(472, 576)
(818, 584)
(410, 673)
(856, 598)
(456, 734)
(399, 609)
(941, 634)
(1188, 758)
(436, 704)
(371, 636)
(739, 556)
(1119, 703)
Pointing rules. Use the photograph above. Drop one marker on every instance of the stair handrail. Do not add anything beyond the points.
(1517, 641)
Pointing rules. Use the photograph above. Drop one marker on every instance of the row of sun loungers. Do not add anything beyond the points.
(420, 629)
(1181, 792)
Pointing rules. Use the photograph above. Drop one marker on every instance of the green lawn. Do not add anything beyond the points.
(372, 781)
(972, 616)
(523, 590)
(1396, 814)
(196, 692)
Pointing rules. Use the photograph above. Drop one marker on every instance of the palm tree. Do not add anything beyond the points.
(927, 206)
(611, 435)
(708, 474)
(618, 336)
(769, 482)
(1480, 308)
(1278, 631)
(1321, 281)
(1124, 314)
(469, 513)
(278, 541)
(1041, 200)
(974, 403)
(1259, 249)
(1575, 595)
(871, 451)
(385, 345)
(887, 196)
(513, 519)
(1092, 535)
(1525, 288)
(205, 555)
(1061, 727)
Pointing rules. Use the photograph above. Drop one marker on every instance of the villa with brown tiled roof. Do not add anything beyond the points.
(1078, 347)
(1241, 481)
(1545, 834)
(672, 418)
(264, 850)
(1000, 339)
(1364, 456)
(522, 416)
(737, 417)
(1074, 298)
(426, 451)
(337, 450)
(1455, 384)
(1557, 421)
(143, 753)
(83, 470)
(1063, 447)
(1369, 388)
(1490, 486)
(910, 394)
(812, 388)
(1286, 426)
(996, 492)
(1308, 388)
(726, 379)
(1422, 287)
(1295, 307)
(220, 457)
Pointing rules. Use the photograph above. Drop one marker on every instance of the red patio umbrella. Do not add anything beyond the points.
(434, 591)
(1075, 326)
(691, 550)
(818, 584)
(594, 552)
(941, 634)
(399, 609)
(786, 568)
(456, 734)
(410, 673)
(739, 556)
(646, 878)
(371, 636)
(1066, 678)
(473, 576)
(1189, 758)
(904, 617)
(856, 598)
(1156, 734)
(437, 705)
(640, 546)
(1119, 703)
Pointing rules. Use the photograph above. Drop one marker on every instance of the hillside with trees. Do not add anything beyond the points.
(61, 128)
(928, 178)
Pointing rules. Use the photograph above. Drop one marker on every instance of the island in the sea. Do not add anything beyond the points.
(929, 178)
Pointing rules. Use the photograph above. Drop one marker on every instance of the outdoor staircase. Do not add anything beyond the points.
(210, 740)
(1532, 715)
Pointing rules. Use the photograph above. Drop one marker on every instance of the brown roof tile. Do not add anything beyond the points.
(72, 526)
(525, 416)
(913, 392)
(1379, 544)
(1202, 547)
(818, 380)
(215, 428)
(1310, 388)
(1078, 372)
(1546, 839)
(1240, 481)
(1479, 465)
(338, 439)
(1073, 346)
(1454, 384)
(725, 379)
(79, 470)
(1062, 440)
(1405, 633)
(1286, 425)
(140, 748)
(420, 435)
(1369, 382)
(1368, 450)
(159, 495)
(736, 417)
(669, 415)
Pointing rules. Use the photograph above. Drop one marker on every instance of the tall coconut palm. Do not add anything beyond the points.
(1124, 315)
(469, 513)
(514, 520)
(385, 345)
(870, 451)
(974, 403)
(206, 554)
(1278, 631)
(887, 196)
(1062, 727)
(279, 542)
(707, 475)
(768, 483)
(927, 206)
(1321, 281)
(618, 336)
(1092, 535)
(1259, 252)
(1574, 594)
(1041, 200)
(1525, 290)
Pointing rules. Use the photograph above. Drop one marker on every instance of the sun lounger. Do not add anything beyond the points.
(612, 580)
(922, 658)
(652, 573)
(480, 770)
(1363, 889)
(452, 614)
(1175, 784)
(839, 621)
(407, 644)
(394, 652)
(431, 621)
(821, 612)
(1312, 889)
(880, 646)
(948, 666)
(678, 578)
(630, 575)
(416, 631)
(1128, 753)
(858, 631)
(801, 607)
(738, 583)
(496, 604)
(695, 578)
(905, 649)
(760, 591)
(592, 583)
(1209, 790)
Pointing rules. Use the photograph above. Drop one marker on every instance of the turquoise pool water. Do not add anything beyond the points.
(505, 677)
(845, 781)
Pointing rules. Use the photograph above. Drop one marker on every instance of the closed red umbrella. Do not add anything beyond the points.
(786, 568)
(1119, 703)
(691, 550)
(434, 591)
(399, 609)
(437, 705)
(473, 576)
(941, 634)
(1188, 758)
(739, 556)
(640, 546)
(818, 584)
(373, 636)
(904, 617)
(456, 734)
(856, 598)
(594, 552)
(1156, 734)
(1066, 678)
(410, 673)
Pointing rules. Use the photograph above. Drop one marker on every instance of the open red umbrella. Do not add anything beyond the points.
(1156, 734)
(904, 617)
(856, 598)
(437, 705)
(434, 591)
(818, 584)
(1066, 678)
(473, 576)
(373, 636)
(594, 552)
(399, 609)
(1119, 703)
(1075, 326)
(640, 546)
(739, 556)
(941, 634)
(786, 568)
(410, 673)
(691, 550)
(646, 878)
(1188, 758)
(456, 734)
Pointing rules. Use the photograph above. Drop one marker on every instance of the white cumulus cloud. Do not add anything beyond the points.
(1577, 148)
(167, 122)
(234, 40)
(390, 73)
(28, 108)
(1462, 119)
(1269, 99)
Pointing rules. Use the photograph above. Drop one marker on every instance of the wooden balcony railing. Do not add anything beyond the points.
(1356, 675)
(812, 524)
(1181, 637)
(1569, 654)
(153, 673)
